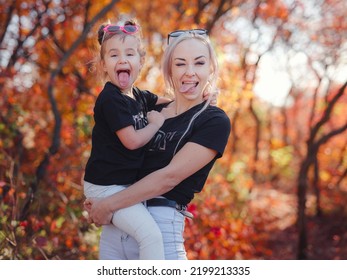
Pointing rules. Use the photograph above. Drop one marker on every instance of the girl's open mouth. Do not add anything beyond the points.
(123, 78)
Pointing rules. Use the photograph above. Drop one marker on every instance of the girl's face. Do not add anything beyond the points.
(122, 61)
(190, 69)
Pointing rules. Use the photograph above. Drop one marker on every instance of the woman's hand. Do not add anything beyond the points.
(98, 212)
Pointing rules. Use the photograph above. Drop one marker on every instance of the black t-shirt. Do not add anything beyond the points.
(110, 162)
(210, 129)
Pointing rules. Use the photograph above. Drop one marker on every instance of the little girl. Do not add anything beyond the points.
(124, 123)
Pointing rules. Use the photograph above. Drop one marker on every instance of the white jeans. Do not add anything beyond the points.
(115, 244)
(135, 221)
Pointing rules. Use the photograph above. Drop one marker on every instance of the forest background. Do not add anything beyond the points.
(280, 190)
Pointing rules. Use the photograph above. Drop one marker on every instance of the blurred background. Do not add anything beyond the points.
(280, 190)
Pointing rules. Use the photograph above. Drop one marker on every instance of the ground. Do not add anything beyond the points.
(275, 216)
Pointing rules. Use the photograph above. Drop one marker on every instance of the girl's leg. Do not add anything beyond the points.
(171, 224)
(110, 244)
(134, 220)
(138, 223)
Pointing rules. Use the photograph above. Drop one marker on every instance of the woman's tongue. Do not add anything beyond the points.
(188, 87)
(124, 79)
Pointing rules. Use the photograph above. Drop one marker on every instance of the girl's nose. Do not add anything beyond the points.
(122, 59)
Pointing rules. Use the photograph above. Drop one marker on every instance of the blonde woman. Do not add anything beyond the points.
(181, 154)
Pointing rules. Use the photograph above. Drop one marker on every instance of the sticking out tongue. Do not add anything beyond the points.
(188, 87)
(124, 79)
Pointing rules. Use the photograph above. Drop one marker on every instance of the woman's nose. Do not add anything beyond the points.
(190, 71)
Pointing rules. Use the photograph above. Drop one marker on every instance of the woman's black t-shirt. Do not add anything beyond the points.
(110, 162)
(210, 129)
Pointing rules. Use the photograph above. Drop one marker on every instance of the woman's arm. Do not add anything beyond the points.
(191, 158)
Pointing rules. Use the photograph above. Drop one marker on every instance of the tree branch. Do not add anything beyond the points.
(41, 169)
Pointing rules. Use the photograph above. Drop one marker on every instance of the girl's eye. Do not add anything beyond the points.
(200, 63)
(180, 64)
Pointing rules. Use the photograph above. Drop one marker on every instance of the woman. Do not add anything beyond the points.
(181, 154)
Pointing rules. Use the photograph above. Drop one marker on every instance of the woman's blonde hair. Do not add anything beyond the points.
(167, 60)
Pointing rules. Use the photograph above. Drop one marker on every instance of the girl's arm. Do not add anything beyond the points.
(163, 100)
(191, 158)
(133, 139)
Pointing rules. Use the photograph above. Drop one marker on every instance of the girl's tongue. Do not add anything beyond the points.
(188, 87)
(124, 79)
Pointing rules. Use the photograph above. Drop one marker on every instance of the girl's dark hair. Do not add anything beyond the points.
(101, 33)
(101, 29)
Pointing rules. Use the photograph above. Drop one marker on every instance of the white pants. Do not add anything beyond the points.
(135, 221)
(115, 244)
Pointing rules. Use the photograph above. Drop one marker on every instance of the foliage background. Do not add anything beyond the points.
(279, 192)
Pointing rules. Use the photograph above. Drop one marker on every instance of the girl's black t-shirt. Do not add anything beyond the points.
(110, 162)
(210, 129)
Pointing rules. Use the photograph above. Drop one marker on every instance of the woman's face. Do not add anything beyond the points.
(122, 61)
(190, 69)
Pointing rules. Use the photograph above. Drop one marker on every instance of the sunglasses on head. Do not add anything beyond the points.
(127, 29)
(177, 33)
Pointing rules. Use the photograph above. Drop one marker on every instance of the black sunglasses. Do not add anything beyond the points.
(177, 33)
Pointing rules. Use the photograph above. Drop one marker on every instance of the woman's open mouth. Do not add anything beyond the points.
(188, 86)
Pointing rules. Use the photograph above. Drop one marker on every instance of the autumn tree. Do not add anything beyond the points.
(43, 122)
(48, 89)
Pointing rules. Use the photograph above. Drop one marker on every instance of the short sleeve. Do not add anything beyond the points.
(151, 99)
(212, 130)
(116, 113)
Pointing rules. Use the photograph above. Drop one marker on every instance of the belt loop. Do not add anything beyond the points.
(185, 213)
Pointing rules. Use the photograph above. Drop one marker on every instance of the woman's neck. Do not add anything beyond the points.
(180, 107)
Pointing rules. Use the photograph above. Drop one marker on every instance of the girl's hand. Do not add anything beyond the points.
(156, 118)
(214, 95)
